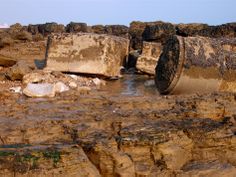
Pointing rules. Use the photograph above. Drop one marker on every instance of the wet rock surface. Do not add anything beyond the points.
(115, 128)
(118, 133)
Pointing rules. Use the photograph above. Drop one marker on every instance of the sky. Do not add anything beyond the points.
(123, 12)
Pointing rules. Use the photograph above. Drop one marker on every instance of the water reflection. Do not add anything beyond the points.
(131, 85)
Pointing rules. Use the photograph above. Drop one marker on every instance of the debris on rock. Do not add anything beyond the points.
(61, 87)
(73, 85)
(98, 82)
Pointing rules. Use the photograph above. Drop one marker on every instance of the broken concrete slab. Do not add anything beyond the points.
(197, 65)
(147, 61)
(86, 53)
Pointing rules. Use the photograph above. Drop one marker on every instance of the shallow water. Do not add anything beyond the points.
(131, 85)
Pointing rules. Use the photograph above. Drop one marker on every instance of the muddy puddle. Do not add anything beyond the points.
(131, 85)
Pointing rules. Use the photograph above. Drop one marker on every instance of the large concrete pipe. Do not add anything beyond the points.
(197, 64)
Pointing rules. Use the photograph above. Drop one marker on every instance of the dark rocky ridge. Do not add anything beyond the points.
(138, 31)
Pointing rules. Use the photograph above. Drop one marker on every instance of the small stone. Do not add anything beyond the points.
(40, 90)
(61, 87)
(72, 85)
(98, 82)
(16, 89)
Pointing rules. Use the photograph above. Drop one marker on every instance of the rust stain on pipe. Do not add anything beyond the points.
(197, 64)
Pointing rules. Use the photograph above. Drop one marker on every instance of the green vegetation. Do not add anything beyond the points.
(52, 154)
(6, 153)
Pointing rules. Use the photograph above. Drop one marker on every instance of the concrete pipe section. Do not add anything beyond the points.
(197, 65)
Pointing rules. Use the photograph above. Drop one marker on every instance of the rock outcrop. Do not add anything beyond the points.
(136, 32)
(158, 31)
(48, 28)
(16, 43)
(87, 53)
(73, 27)
(197, 29)
(116, 30)
(102, 135)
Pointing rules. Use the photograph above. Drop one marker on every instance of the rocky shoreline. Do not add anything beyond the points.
(102, 119)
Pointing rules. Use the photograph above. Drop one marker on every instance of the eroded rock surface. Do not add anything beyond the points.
(87, 53)
(109, 135)
(16, 43)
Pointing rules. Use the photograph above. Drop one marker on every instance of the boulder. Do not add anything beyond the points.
(73, 27)
(48, 28)
(44, 89)
(86, 53)
(147, 61)
(39, 90)
(15, 28)
(149, 31)
(117, 30)
(193, 29)
(98, 29)
(17, 71)
(159, 31)
(197, 29)
(136, 31)
(33, 29)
